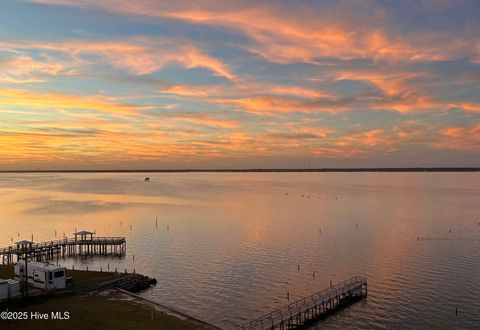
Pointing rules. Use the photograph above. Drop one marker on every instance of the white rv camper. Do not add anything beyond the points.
(41, 275)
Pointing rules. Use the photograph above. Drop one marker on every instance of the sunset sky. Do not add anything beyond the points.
(122, 84)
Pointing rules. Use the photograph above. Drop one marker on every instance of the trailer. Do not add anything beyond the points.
(41, 275)
(13, 289)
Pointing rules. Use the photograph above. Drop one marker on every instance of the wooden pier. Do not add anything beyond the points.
(82, 244)
(306, 311)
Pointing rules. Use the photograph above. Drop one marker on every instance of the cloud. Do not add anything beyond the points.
(468, 106)
(192, 90)
(19, 68)
(282, 34)
(62, 101)
(331, 79)
(368, 139)
(460, 138)
(205, 120)
(292, 136)
(139, 55)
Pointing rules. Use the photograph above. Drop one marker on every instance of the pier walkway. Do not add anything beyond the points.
(315, 307)
(84, 243)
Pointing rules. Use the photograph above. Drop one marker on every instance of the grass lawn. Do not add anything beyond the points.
(97, 312)
(114, 310)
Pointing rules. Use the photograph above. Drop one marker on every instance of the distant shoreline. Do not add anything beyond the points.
(267, 170)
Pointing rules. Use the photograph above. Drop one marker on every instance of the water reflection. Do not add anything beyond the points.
(226, 247)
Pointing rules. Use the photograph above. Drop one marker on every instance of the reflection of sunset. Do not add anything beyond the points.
(256, 235)
(214, 240)
(238, 84)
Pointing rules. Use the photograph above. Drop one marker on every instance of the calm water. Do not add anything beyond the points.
(227, 246)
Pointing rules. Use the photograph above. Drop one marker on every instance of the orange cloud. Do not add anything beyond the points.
(295, 91)
(205, 120)
(416, 103)
(460, 138)
(242, 88)
(277, 105)
(410, 103)
(20, 69)
(340, 31)
(282, 34)
(369, 138)
(190, 90)
(468, 106)
(138, 55)
(262, 104)
(61, 101)
(288, 103)
(390, 82)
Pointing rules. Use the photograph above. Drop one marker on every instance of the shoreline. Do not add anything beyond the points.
(167, 310)
(106, 300)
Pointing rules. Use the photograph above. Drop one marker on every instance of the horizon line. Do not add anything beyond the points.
(253, 170)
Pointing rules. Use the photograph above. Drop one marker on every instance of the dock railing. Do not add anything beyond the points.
(63, 247)
(63, 242)
(270, 320)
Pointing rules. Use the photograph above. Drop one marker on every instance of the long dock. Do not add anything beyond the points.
(308, 310)
(83, 244)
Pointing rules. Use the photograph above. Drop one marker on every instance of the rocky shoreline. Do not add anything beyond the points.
(135, 283)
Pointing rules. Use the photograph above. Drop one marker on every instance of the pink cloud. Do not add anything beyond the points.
(284, 34)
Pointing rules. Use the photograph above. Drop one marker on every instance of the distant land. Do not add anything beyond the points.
(262, 170)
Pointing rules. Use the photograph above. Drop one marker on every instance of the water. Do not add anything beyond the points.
(227, 245)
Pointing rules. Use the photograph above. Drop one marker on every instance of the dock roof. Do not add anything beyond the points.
(83, 233)
(24, 242)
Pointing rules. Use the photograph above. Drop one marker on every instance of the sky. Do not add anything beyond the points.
(121, 84)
